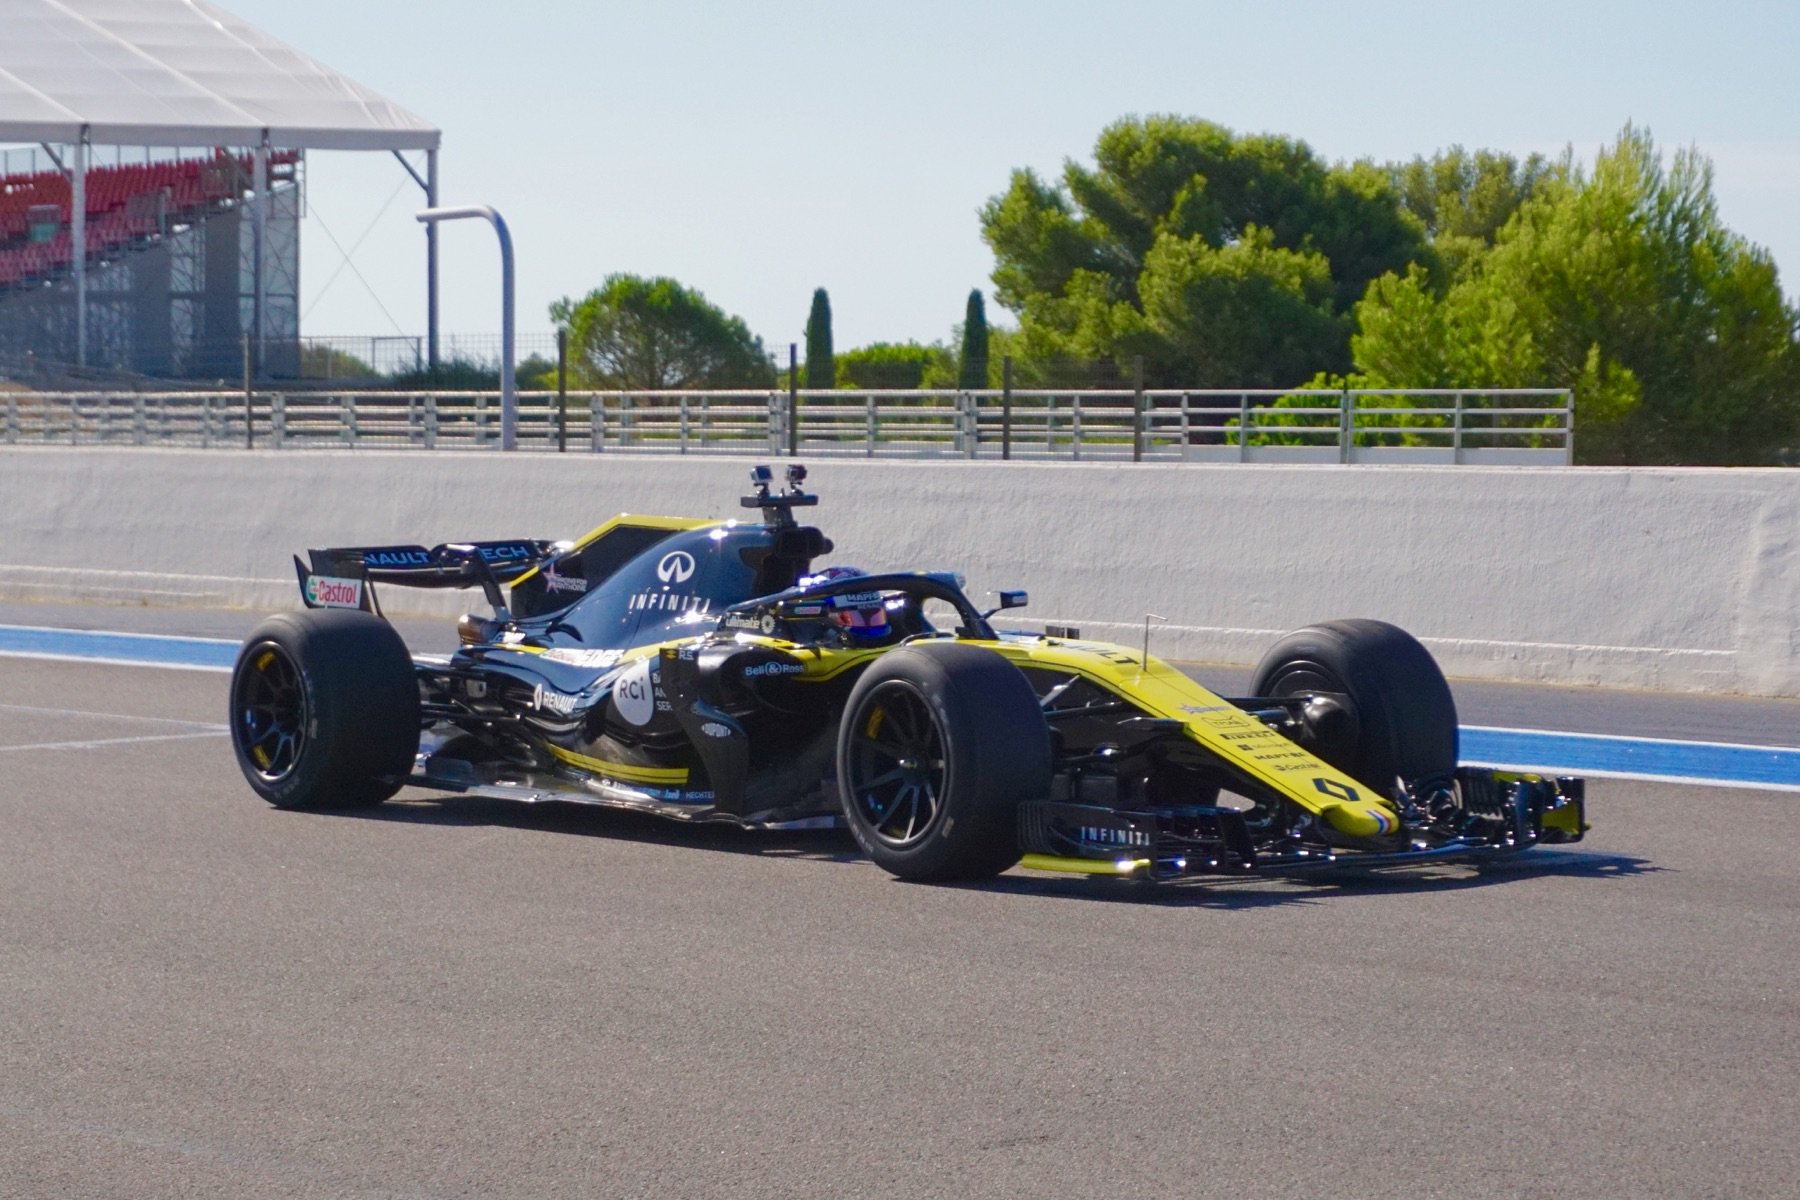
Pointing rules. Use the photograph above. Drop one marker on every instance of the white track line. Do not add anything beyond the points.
(82, 712)
(112, 662)
(1631, 737)
(123, 633)
(1638, 776)
(125, 741)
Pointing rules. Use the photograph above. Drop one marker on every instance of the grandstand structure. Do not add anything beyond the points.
(150, 221)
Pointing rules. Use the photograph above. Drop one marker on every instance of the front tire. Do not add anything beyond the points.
(1401, 718)
(324, 710)
(938, 746)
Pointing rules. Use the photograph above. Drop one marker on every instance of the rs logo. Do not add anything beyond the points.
(1340, 791)
(677, 566)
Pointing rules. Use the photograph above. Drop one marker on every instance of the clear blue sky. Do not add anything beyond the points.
(756, 151)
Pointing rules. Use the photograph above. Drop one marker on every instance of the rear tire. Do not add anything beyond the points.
(324, 710)
(938, 746)
(1402, 716)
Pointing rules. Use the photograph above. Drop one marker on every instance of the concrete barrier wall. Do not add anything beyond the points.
(1668, 579)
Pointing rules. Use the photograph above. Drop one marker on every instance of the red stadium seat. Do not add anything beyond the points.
(125, 203)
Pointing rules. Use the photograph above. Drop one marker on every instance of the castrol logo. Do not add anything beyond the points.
(323, 591)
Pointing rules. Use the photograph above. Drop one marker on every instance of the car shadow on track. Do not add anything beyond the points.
(1267, 892)
(836, 846)
(580, 820)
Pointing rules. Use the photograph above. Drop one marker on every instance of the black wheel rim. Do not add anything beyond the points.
(268, 711)
(898, 774)
(1272, 815)
(1299, 678)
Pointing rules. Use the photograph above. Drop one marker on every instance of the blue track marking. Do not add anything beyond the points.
(1543, 751)
(119, 649)
(1632, 758)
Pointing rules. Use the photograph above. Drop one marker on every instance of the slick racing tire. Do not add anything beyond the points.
(938, 746)
(1398, 719)
(324, 710)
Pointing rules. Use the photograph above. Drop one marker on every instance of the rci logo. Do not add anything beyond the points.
(1341, 791)
(633, 694)
(677, 566)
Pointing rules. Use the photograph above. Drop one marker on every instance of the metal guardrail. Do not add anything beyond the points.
(1515, 426)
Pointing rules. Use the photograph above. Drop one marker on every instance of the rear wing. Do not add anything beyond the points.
(344, 576)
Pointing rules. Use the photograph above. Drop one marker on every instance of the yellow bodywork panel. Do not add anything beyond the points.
(1083, 866)
(1228, 731)
(1566, 819)
(660, 776)
(1351, 806)
(630, 521)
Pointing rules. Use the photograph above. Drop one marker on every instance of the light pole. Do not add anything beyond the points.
(509, 404)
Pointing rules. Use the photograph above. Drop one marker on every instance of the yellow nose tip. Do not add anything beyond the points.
(1362, 819)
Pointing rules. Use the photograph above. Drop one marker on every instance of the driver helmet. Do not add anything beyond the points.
(861, 616)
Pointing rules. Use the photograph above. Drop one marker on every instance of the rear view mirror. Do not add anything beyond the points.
(1016, 599)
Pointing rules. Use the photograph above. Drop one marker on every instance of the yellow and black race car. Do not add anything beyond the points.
(707, 671)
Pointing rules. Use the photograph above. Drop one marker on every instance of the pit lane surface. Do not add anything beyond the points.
(200, 995)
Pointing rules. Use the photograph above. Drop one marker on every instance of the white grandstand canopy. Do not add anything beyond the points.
(179, 73)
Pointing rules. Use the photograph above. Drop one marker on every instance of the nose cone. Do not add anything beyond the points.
(1362, 818)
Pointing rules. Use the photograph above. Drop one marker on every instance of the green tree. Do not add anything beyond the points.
(1262, 315)
(1625, 285)
(320, 360)
(972, 370)
(455, 374)
(536, 372)
(1182, 222)
(894, 365)
(1464, 199)
(821, 365)
(1462, 194)
(639, 334)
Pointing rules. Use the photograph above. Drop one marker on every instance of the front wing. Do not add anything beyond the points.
(1500, 813)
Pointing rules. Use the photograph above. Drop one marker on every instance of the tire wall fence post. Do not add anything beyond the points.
(793, 400)
(1138, 416)
(249, 410)
(1346, 427)
(562, 391)
(1006, 407)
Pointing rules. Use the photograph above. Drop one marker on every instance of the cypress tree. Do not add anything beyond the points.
(973, 373)
(821, 365)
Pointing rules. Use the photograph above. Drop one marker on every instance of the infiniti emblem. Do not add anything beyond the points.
(677, 566)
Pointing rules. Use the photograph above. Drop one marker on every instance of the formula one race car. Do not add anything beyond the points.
(706, 671)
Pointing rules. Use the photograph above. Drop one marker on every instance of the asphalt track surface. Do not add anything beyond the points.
(203, 996)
